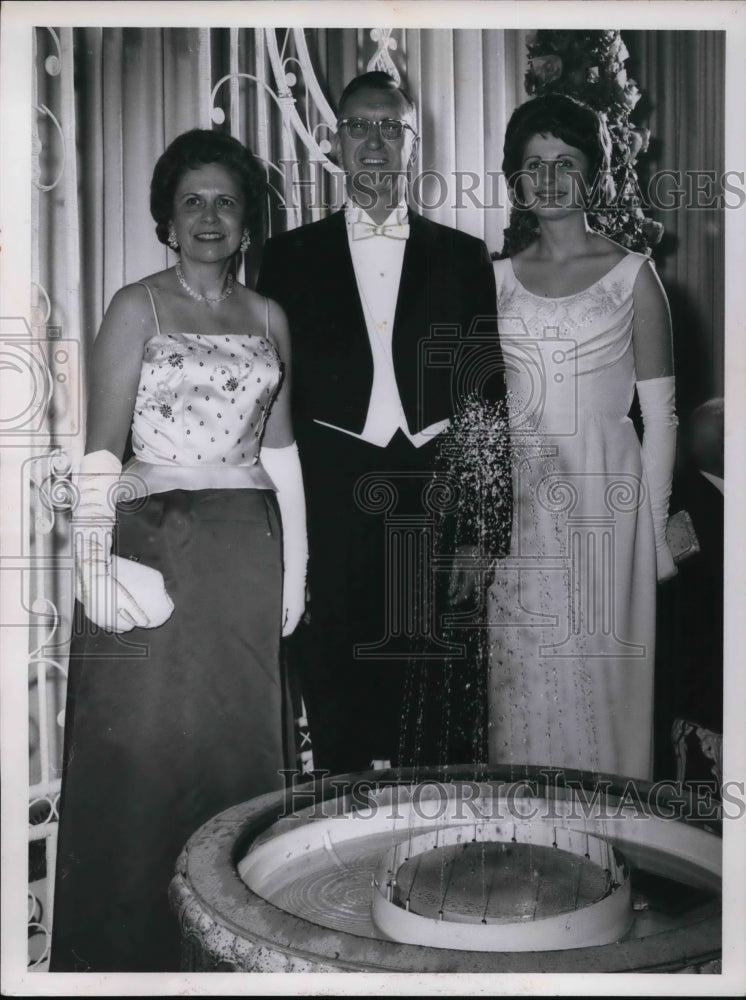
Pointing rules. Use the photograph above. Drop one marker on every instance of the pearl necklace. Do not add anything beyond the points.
(229, 284)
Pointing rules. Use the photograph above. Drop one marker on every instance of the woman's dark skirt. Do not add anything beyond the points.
(166, 727)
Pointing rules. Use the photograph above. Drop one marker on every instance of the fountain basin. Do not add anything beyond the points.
(240, 912)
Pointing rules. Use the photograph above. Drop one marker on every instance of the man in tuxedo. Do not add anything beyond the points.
(392, 321)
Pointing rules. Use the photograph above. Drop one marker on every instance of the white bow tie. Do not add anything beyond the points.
(362, 230)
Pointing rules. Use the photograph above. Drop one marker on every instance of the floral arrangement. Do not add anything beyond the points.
(589, 66)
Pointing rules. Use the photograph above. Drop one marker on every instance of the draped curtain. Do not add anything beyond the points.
(682, 78)
(108, 101)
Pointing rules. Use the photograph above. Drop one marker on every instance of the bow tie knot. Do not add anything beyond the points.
(362, 230)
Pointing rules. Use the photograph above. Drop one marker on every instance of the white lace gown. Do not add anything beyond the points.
(572, 610)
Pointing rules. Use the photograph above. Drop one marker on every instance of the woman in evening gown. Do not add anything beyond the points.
(176, 705)
(583, 323)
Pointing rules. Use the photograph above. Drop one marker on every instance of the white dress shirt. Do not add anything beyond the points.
(377, 261)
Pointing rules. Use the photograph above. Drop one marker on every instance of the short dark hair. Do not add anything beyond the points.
(375, 80)
(573, 122)
(192, 150)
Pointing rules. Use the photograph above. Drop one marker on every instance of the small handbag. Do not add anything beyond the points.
(681, 536)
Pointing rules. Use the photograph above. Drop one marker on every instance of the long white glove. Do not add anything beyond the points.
(657, 405)
(283, 468)
(117, 594)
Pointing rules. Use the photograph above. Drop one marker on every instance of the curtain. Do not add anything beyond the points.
(682, 78)
(463, 123)
(136, 89)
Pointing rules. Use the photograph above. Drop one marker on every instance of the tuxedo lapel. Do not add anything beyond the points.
(335, 263)
(413, 276)
(342, 363)
(412, 317)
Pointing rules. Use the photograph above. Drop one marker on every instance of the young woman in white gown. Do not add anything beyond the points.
(583, 323)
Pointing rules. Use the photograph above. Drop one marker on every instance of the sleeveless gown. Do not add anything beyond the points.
(572, 610)
(167, 727)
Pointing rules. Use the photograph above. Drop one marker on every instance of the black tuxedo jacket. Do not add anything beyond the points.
(445, 341)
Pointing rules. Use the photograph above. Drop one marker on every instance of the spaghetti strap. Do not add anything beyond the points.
(266, 319)
(152, 302)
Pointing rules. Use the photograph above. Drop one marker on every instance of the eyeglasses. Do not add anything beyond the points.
(390, 128)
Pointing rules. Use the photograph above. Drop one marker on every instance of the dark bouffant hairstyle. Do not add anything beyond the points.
(375, 80)
(192, 150)
(575, 123)
(569, 120)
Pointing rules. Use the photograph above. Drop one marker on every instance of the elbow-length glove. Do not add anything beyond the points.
(657, 405)
(283, 468)
(117, 594)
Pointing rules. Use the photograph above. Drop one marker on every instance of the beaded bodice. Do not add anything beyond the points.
(203, 399)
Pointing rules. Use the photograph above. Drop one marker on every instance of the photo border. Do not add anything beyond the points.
(18, 20)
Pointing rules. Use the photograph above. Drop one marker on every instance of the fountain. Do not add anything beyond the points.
(454, 869)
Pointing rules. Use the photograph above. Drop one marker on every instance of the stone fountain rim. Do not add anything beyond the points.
(207, 874)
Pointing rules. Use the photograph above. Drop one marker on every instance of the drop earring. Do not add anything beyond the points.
(172, 241)
(245, 241)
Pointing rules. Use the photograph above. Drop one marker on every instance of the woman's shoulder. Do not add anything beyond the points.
(133, 304)
(255, 307)
(529, 252)
(130, 317)
(504, 276)
(502, 266)
(265, 315)
(158, 281)
(615, 253)
(620, 262)
(138, 295)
